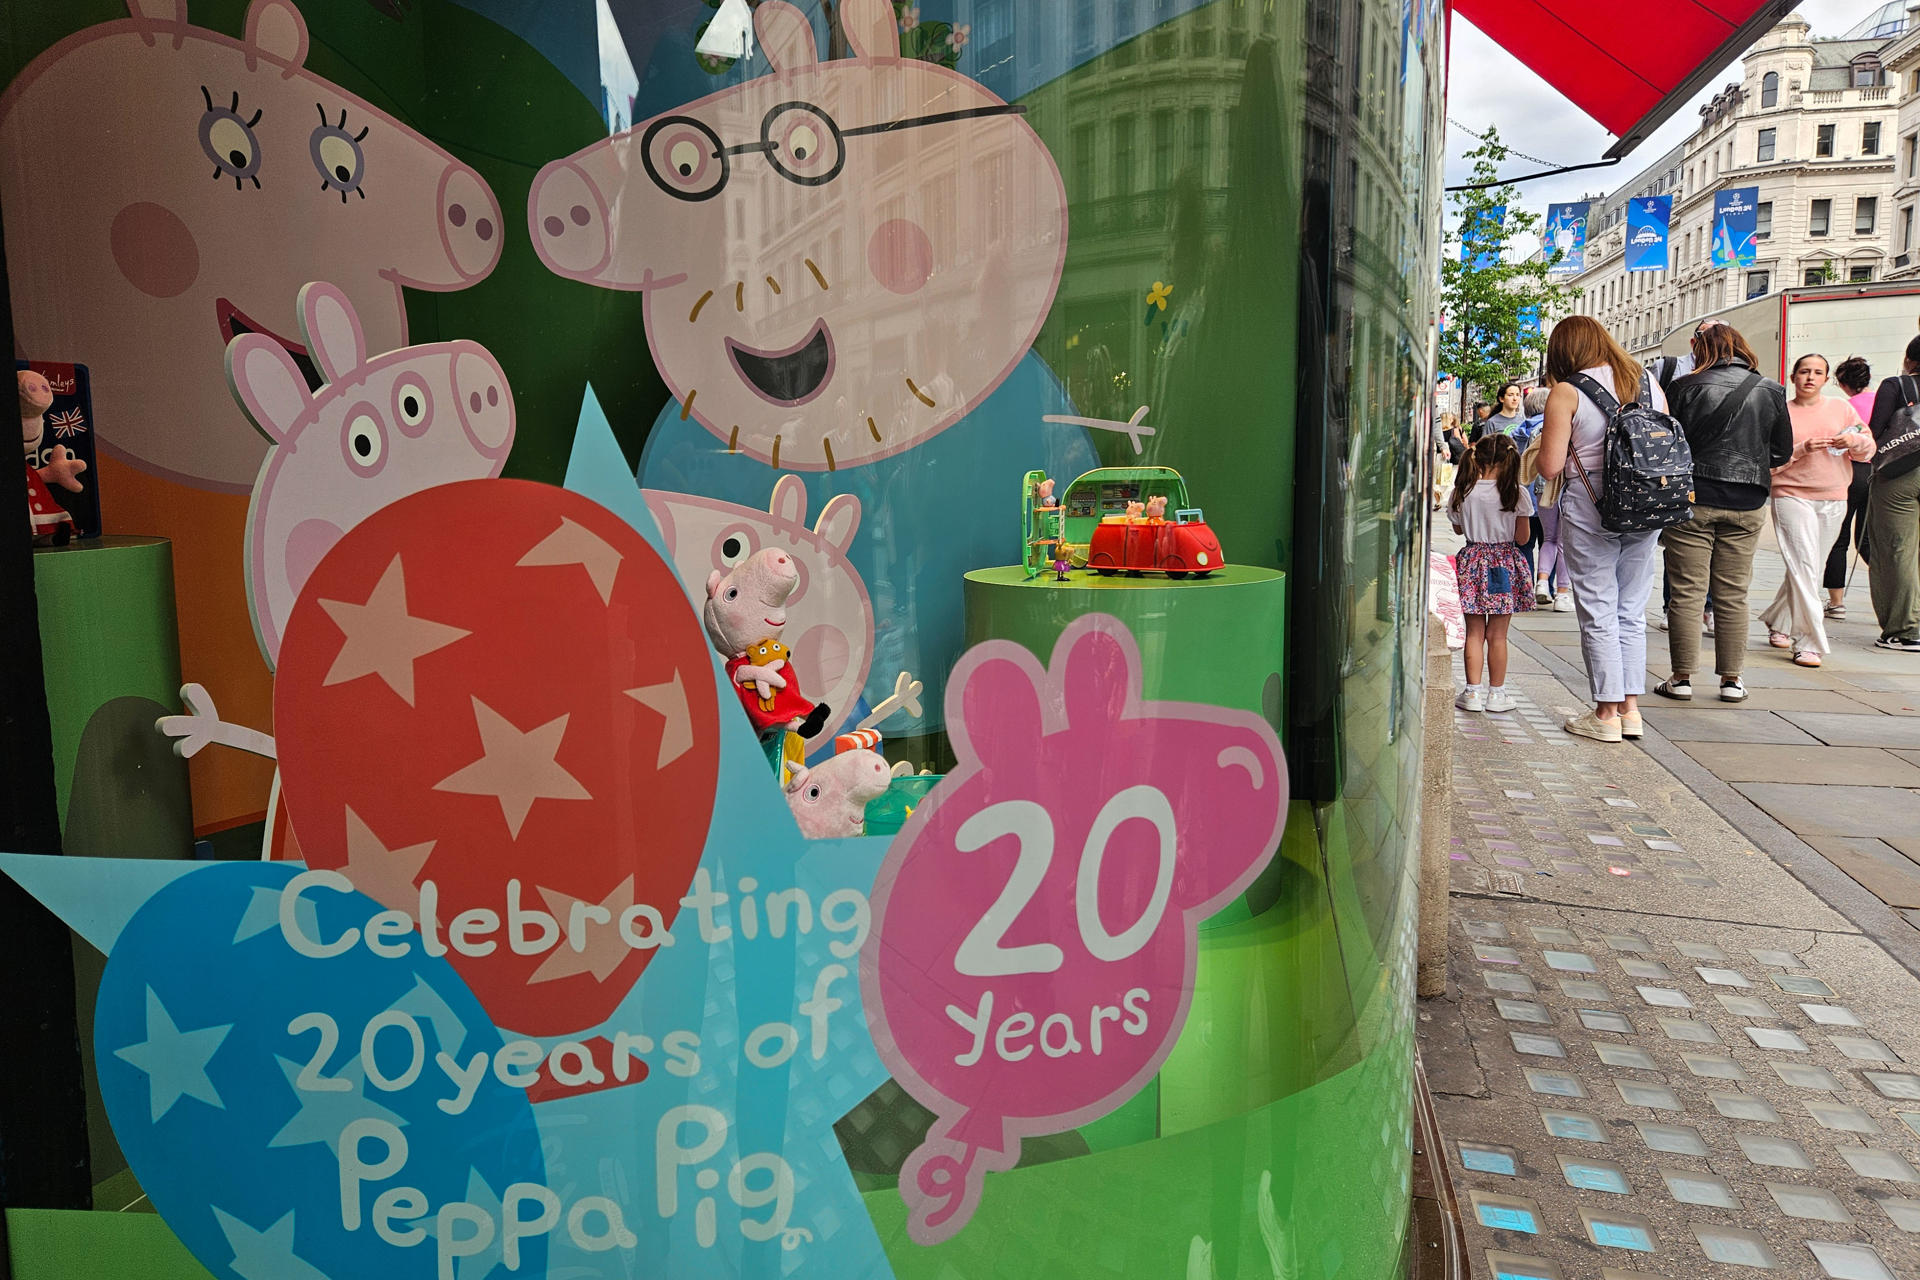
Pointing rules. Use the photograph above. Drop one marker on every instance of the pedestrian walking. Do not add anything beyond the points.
(1549, 582)
(1809, 506)
(1855, 377)
(1736, 423)
(1490, 507)
(1506, 415)
(1893, 508)
(1611, 573)
(1452, 447)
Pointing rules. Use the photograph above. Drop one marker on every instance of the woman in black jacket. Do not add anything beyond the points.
(1737, 427)
(1893, 510)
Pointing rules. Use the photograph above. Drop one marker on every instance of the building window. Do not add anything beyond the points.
(1906, 229)
(1123, 156)
(1859, 275)
(1819, 218)
(1824, 147)
(1863, 211)
(1083, 162)
(1084, 33)
(1912, 141)
(1770, 89)
(1870, 138)
(1764, 152)
(1763, 219)
(1866, 71)
(1163, 146)
(1815, 275)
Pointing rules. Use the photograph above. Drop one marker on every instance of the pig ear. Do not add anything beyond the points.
(275, 28)
(267, 383)
(839, 521)
(786, 37)
(332, 330)
(171, 12)
(713, 583)
(871, 28)
(1000, 709)
(798, 780)
(1100, 673)
(789, 503)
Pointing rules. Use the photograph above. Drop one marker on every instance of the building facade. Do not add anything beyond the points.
(1812, 124)
(1902, 59)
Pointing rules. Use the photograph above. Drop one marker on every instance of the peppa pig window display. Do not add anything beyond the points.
(47, 520)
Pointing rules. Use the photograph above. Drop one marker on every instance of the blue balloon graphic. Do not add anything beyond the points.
(231, 1065)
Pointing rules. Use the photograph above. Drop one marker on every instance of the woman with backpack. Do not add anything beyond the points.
(1611, 572)
(1893, 508)
(1737, 427)
(1854, 376)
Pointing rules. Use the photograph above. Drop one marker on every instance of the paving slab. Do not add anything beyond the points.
(1835, 811)
(1689, 724)
(1765, 762)
(1706, 697)
(1865, 730)
(1879, 867)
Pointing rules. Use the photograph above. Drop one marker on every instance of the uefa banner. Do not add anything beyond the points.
(1480, 238)
(1566, 235)
(1647, 221)
(1736, 216)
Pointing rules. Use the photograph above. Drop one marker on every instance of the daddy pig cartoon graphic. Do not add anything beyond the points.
(206, 178)
(839, 259)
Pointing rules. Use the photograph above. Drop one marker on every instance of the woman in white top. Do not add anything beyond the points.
(1612, 573)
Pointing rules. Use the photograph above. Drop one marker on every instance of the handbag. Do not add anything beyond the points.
(1548, 494)
(1903, 433)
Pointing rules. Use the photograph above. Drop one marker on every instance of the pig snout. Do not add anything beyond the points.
(567, 218)
(470, 229)
(485, 402)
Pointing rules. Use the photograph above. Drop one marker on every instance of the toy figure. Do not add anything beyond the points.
(831, 798)
(1134, 511)
(745, 613)
(1043, 495)
(1157, 509)
(47, 520)
(1061, 565)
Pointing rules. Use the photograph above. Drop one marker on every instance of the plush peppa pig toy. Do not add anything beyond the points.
(744, 615)
(831, 798)
(1135, 511)
(47, 519)
(1157, 508)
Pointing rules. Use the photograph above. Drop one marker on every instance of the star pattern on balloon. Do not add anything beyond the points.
(324, 1113)
(383, 874)
(574, 543)
(175, 1061)
(603, 948)
(516, 766)
(382, 638)
(265, 1255)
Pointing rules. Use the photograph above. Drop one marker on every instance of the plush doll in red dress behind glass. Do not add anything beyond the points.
(744, 616)
(47, 519)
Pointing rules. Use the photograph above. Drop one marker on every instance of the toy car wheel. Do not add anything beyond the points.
(1176, 574)
(1102, 570)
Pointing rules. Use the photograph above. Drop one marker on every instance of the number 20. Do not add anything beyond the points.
(982, 953)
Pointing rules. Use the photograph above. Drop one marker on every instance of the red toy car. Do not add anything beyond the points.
(1178, 547)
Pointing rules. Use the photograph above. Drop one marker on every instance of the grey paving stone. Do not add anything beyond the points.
(1700, 951)
(1864, 1049)
(1645, 969)
(1523, 1011)
(1745, 1006)
(1879, 868)
(1769, 762)
(1776, 1038)
(1832, 1015)
(1775, 959)
(1603, 1020)
(1539, 1046)
(1734, 1245)
(1722, 977)
(1570, 961)
(1800, 984)
(1773, 1153)
(1879, 1162)
(1744, 1106)
(1689, 1029)
(1655, 1097)
(1835, 811)
(1712, 1066)
(1840, 1116)
(1902, 1211)
(1802, 1076)
(1623, 1055)
(1665, 997)
(1582, 989)
(1816, 1203)
(1894, 1084)
(1750, 725)
(1689, 1187)
(1844, 1261)
(1865, 730)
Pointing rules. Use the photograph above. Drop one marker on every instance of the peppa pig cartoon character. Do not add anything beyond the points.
(746, 606)
(812, 298)
(1136, 511)
(208, 178)
(46, 518)
(1157, 507)
(829, 618)
(830, 799)
(379, 429)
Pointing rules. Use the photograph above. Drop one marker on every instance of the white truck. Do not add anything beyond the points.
(1873, 321)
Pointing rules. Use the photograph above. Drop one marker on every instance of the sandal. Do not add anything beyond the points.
(1806, 658)
(1678, 690)
(1779, 640)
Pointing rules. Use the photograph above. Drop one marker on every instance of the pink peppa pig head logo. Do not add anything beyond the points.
(840, 258)
(1036, 918)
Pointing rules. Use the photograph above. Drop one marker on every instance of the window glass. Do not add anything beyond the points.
(1756, 283)
(1770, 89)
(1824, 145)
(1864, 209)
(1763, 218)
(1818, 217)
(1764, 151)
(1870, 138)
(1858, 275)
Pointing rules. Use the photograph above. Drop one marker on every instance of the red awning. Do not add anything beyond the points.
(1629, 63)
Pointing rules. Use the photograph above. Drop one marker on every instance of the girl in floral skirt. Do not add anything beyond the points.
(1492, 509)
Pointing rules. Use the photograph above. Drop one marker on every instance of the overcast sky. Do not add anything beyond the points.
(1487, 85)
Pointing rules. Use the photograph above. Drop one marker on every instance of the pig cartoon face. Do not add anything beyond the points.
(831, 798)
(749, 601)
(204, 180)
(36, 397)
(840, 259)
(829, 617)
(378, 430)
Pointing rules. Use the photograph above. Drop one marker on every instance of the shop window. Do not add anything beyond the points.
(1824, 145)
(1757, 283)
(1863, 215)
(1770, 89)
(1763, 219)
(1870, 138)
(1859, 275)
(1819, 218)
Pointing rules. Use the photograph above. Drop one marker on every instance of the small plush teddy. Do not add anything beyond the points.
(769, 655)
(46, 519)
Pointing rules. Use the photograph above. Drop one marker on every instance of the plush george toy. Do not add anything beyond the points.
(831, 798)
(47, 519)
(744, 615)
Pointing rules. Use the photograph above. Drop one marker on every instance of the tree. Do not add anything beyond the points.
(1486, 339)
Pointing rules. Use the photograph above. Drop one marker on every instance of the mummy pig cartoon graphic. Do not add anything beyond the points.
(839, 259)
(219, 176)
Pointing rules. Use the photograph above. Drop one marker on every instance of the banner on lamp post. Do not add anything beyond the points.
(1566, 234)
(1647, 220)
(1736, 215)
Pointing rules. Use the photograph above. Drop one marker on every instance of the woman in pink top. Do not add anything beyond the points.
(1809, 502)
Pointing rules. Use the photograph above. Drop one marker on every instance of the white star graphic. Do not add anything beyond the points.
(670, 700)
(516, 767)
(385, 875)
(475, 1266)
(175, 1061)
(382, 638)
(574, 543)
(604, 949)
(323, 1114)
(264, 1255)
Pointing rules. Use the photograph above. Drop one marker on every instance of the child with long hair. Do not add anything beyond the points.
(1493, 509)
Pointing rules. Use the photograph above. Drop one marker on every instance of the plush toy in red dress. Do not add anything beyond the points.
(46, 519)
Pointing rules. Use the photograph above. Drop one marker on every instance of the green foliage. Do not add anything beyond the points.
(1482, 344)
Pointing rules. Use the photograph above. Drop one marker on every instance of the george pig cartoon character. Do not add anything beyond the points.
(380, 428)
(819, 293)
(1157, 508)
(829, 618)
(745, 607)
(831, 798)
(208, 178)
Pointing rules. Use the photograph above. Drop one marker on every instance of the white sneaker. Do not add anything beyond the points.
(1563, 603)
(1592, 726)
(1471, 699)
(1498, 699)
(1542, 594)
(1661, 621)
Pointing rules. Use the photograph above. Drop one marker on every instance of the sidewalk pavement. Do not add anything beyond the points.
(1664, 1053)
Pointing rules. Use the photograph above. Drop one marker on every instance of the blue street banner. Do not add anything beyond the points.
(1736, 216)
(1647, 221)
(1480, 238)
(1566, 234)
(1529, 317)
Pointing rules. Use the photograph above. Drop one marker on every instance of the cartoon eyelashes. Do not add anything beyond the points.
(229, 138)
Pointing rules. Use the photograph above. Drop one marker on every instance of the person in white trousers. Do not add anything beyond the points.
(1809, 504)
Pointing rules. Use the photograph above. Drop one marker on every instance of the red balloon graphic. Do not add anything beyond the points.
(495, 711)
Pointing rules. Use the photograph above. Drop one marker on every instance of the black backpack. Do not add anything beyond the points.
(1648, 481)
